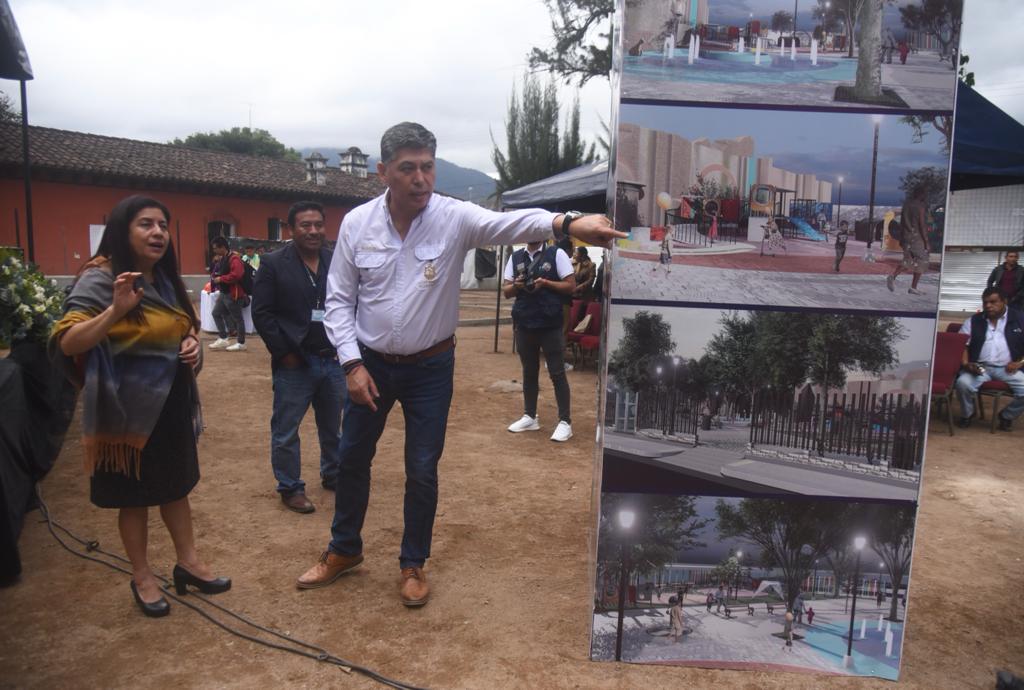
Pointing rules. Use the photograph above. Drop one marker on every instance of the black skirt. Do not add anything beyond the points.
(169, 468)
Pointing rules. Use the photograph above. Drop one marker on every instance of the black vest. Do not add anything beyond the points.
(539, 309)
(1014, 333)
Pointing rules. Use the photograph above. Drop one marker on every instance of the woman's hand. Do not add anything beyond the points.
(126, 296)
(188, 351)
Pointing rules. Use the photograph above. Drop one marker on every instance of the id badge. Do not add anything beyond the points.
(318, 315)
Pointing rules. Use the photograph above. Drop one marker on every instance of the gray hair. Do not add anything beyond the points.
(406, 135)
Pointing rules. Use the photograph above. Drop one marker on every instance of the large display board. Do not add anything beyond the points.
(770, 329)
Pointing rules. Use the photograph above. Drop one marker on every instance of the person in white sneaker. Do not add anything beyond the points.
(538, 277)
(228, 272)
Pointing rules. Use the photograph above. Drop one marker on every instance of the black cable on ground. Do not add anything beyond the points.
(293, 645)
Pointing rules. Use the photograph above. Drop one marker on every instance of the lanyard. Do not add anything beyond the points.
(313, 280)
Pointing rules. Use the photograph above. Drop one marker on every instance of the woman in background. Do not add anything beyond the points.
(131, 331)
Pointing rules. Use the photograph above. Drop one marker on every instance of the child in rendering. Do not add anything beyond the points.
(787, 632)
(810, 615)
(675, 616)
(841, 237)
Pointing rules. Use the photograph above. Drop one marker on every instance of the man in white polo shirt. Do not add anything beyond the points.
(399, 257)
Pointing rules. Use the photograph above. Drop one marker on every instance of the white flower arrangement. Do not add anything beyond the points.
(30, 303)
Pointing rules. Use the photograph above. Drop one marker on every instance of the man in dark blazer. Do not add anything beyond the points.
(288, 313)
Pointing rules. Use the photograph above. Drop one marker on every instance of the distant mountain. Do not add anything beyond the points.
(464, 183)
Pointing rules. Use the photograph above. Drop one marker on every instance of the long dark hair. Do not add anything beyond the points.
(116, 247)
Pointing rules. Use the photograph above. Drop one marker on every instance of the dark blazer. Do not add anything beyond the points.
(283, 299)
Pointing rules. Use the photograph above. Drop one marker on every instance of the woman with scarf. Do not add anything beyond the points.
(130, 331)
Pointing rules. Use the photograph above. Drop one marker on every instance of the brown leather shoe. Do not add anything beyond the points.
(329, 568)
(414, 589)
(297, 502)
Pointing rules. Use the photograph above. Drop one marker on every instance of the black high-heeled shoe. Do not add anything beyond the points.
(183, 577)
(158, 609)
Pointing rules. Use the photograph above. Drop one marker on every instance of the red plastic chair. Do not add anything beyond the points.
(953, 327)
(949, 349)
(590, 339)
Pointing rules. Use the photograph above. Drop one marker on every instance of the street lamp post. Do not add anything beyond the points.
(839, 213)
(795, 3)
(877, 121)
(626, 520)
(658, 370)
(858, 544)
(739, 555)
(672, 414)
(814, 581)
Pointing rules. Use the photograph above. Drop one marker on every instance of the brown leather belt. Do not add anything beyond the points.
(417, 357)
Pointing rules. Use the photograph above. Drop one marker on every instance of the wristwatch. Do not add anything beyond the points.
(567, 217)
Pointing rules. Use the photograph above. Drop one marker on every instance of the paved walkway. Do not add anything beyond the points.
(924, 83)
(750, 640)
(634, 279)
(730, 467)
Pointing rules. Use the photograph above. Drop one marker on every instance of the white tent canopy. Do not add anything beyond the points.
(771, 585)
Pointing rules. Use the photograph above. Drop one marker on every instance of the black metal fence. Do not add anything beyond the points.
(881, 428)
(697, 231)
(667, 410)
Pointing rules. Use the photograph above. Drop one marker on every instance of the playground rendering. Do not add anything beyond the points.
(721, 54)
(789, 208)
(722, 582)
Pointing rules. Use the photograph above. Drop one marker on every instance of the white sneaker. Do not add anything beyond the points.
(914, 291)
(563, 432)
(526, 423)
(237, 347)
(220, 344)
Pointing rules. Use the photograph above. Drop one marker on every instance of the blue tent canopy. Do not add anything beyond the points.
(988, 144)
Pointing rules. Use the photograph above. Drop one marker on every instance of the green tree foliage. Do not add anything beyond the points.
(938, 18)
(943, 124)
(965, 76)
(782, 21)
(534, 147)
(8, 111)
(665, 525)
(646, 342)
(931, 179)
(707, 188)
(791, 534)
(829, 15)
(252, 142)
(583, 48)
(892, 538)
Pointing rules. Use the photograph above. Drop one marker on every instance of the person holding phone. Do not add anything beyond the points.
(129, 339)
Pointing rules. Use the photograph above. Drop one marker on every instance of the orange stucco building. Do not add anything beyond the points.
(77, 178)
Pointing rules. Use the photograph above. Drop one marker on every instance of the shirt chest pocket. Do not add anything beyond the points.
(428, 263)
(373, 267)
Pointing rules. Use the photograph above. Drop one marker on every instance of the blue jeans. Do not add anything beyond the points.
(322, 383)
(967, 384)
(425, 391)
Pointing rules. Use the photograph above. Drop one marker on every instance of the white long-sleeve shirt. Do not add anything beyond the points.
(408, 291)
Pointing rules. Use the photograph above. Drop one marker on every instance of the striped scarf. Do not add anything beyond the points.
(125, 379)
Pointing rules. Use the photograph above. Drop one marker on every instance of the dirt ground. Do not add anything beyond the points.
(510, 570)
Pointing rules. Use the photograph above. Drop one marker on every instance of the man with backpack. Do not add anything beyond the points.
(232, 280)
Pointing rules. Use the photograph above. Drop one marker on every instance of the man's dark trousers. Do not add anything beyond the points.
(425, 390)
(529, 344)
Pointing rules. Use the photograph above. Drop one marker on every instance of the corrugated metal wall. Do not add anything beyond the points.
(964, 273)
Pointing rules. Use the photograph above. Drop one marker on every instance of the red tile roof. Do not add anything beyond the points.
(92, 158)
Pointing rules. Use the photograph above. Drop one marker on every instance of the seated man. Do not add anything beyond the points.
(995, 351)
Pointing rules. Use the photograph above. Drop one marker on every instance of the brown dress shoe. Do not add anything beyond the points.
(414, 589)
(297, 502)
(329, 568)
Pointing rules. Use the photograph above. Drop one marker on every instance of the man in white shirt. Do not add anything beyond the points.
(995, 351)
(538, 277)
(399, 257)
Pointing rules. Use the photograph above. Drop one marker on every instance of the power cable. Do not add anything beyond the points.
(293, 646)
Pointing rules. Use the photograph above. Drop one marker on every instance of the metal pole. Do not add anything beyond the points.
(622, 601)
(839, 213)
(871, 199)
(17, 230)
(27, 171)
(853, 607)
(497, 302)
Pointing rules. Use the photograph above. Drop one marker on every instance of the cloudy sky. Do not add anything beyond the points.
(337, 73)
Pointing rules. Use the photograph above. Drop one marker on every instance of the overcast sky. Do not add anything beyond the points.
(338, 73)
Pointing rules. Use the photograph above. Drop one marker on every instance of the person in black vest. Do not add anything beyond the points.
(1009, 277)
(995, 351)
(540, 277)
(288, 312)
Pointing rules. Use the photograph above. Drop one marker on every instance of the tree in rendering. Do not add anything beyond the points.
(892, 538)
(868, 86)
(646, 342)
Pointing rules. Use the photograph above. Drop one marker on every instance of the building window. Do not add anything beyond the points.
(274, 229)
